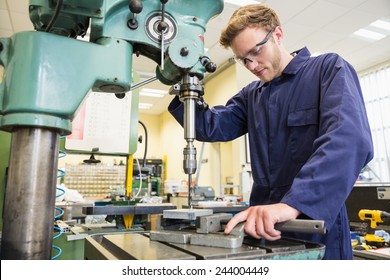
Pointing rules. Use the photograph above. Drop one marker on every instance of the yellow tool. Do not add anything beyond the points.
(373, 217)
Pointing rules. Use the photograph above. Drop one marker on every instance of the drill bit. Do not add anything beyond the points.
(190, 190)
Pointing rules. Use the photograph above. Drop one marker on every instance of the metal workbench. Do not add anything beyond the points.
(382, 254)
(138, 246)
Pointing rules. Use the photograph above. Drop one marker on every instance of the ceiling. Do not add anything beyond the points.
(321, 25)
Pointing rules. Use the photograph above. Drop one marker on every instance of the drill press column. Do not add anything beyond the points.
(30, 193)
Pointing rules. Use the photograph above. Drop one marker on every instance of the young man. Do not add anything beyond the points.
(308, 131)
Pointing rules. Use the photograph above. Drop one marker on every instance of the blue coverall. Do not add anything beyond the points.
(309, 138)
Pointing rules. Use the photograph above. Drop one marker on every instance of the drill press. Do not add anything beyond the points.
(42, 90)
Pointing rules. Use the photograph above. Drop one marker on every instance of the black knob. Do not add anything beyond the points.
(136, 6)
(162, 26)
(120, 95)
(163, 1)
(208, 64)
(211, 67)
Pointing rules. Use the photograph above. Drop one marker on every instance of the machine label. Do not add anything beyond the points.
(383, 192)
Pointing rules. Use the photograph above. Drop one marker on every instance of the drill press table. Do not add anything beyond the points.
(138, 246)
(179, 239)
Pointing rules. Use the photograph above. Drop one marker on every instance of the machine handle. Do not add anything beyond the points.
(304, 226)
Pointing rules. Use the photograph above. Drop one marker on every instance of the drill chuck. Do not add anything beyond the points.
(189, 161)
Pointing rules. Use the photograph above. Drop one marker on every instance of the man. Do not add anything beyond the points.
(308, 131)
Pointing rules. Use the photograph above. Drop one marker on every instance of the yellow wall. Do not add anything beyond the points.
(153, 126)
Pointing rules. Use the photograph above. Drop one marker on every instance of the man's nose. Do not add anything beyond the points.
(251, 64)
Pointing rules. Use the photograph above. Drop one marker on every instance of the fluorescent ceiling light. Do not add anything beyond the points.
(381, 24)
(153, 92)
(145, 105)
(241, 2)
(369, 34)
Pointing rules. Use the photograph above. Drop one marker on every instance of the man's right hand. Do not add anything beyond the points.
(260, 220)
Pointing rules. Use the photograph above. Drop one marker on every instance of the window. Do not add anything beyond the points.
(376, 91)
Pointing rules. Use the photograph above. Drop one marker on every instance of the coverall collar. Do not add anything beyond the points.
(300, 57)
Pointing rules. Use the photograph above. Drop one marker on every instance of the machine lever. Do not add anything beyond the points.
(298, 225)
(304, 226)
(208, 64)
(162, 26)
(145, 82)
(135, 7)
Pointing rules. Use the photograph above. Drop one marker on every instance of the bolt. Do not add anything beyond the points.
(162, 26)
(184, 51)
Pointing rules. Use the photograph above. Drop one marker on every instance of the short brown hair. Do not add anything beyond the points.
(256, 15)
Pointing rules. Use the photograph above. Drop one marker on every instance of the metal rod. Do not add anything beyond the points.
(304, 226)
(147, 81)
(162, 50)
(30, 195)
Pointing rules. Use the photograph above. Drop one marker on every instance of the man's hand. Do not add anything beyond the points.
(260, 220)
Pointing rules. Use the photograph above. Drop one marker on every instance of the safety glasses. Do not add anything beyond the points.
(254, 52)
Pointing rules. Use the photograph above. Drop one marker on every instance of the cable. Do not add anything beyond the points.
(55, 237)
(58, 229)
(146, 143)
(55, 16)
(143, 161)
(59, 252)
(140, 178)
(61, 174)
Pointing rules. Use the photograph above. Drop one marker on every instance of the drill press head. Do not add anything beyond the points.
(169, 32)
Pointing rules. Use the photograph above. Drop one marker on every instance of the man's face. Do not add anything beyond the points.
(256, 49)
